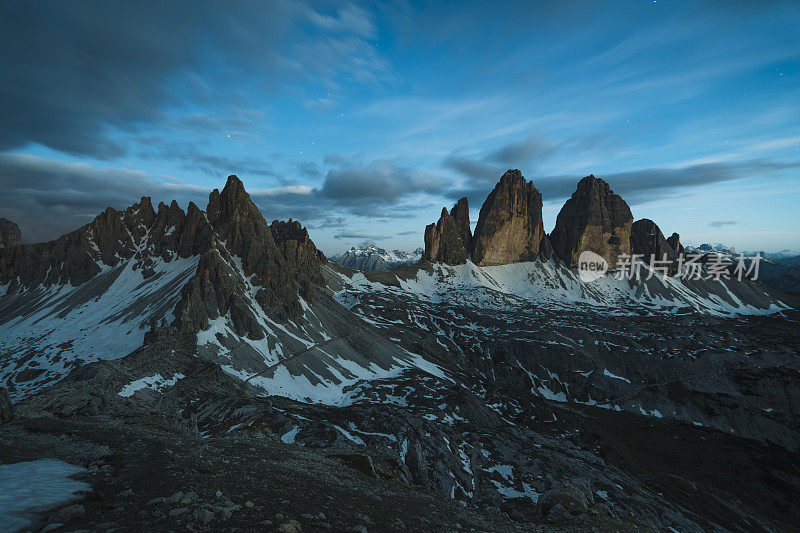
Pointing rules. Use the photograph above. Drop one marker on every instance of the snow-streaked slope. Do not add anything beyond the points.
(551, 285)
(47, 331)
(314, 359)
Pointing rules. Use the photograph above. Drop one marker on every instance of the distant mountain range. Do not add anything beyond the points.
(707, 248)
(371, 257)
(780, 270)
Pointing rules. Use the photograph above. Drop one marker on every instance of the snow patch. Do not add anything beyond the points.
(154, 382)
(35, 486)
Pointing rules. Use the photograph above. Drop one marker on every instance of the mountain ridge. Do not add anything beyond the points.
(373, 257)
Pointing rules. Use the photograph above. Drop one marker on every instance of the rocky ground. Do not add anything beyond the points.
(527, 418)
(148, 473)
(419, 452)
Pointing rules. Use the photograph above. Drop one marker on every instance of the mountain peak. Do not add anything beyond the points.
(10, 234)
(648, 241)
(509, 228)
(233, 204)
(591, 183)
(593, 218)
(233, 186)
(512, 175)
(448, 240)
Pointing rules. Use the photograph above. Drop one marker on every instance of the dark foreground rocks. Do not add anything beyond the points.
(147, 475)
(6, 408)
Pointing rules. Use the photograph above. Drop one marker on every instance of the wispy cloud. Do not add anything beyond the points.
(722, 223)
(359, 235)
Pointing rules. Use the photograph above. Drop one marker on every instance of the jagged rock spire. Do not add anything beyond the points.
(595, 219)
(648, 241)
(460, 213)
(280, 259)
(447, 241)
(509, 228)
(674, 241)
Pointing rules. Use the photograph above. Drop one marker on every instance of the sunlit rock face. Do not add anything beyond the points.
(510, 228)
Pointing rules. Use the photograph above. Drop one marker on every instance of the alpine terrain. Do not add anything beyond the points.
(371, 257)
(208, 370)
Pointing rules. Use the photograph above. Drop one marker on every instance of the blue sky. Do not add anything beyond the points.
(362, 120)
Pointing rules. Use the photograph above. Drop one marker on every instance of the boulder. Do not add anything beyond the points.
(595, 219)
(565, 495)
(509, 228)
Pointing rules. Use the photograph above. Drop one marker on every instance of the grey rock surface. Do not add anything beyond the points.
(595, 219)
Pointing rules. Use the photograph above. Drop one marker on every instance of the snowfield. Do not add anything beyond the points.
(59, 327)
(554, 286)
(35, 486)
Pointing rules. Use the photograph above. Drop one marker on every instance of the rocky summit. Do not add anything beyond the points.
(207, 370)
(674, 242)
(648, 242)
(10, 235)
(509, 228)
(595, 219)
(448, 240)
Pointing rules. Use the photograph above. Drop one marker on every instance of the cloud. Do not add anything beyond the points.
(48, 198)
(200, 158)
(722, 223)
(524, 152)
(377, 190)
(475, 170)
(634, 186)
(646, 184)
(359, 235)
(108, 69)
(380, 182)
(348, 19)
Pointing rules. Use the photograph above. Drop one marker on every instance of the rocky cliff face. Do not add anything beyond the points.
(674, 241)
(595, 219)
(460, 213)
(448, 240)
(75, 258)
(276, 262)
(510, 226)
(10, 235)
(299, 252)
(648, 241)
